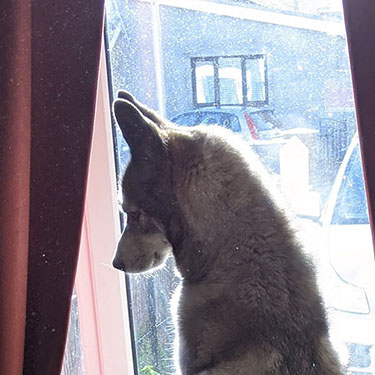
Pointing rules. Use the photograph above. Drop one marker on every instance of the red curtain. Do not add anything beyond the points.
(49, 56)
(360, 28)
(15, 135)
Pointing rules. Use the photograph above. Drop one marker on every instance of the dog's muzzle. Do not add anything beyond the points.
(117, 263)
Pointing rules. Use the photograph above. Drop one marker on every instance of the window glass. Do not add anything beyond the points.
(153, 325)
(255, 80)
(289, 61)
(205, 82)
(73, 356)
(230, 81)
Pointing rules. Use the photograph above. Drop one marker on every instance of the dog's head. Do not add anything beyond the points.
(181, 188)
(146, 189)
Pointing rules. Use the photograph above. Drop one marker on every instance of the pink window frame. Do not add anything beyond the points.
(101, 292)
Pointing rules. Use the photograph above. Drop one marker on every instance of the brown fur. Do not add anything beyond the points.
(249, 302)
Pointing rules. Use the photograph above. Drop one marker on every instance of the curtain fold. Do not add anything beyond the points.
(49, 57)
(15, 133)
(360, 29)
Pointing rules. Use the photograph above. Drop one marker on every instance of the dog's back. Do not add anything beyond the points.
(249, 302)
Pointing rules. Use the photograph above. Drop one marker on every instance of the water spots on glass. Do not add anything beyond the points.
(309, 96)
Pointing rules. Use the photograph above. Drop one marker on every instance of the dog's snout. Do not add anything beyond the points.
(118, 264)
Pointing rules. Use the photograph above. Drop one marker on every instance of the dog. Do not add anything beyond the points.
(249, 302)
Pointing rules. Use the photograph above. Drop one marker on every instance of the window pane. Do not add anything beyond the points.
(282, 81)
(230, 80)
(205, 82)
(153, 327)
(73, 356)
(255, 80)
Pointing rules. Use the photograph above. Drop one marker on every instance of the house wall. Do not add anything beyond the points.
(307, 70)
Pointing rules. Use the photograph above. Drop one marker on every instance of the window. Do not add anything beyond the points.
(277, 72)
(229, 80)
(204, 77)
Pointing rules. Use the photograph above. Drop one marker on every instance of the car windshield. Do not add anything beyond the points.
(351, 206)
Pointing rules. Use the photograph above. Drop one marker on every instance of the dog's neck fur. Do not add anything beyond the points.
(224, 194)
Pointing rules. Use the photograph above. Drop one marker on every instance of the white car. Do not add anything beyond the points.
(347, 266)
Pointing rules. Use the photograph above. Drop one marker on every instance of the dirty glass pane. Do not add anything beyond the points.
(293, 104)
(73, 356)
(230, 80)
(255, 80)
(205, 82)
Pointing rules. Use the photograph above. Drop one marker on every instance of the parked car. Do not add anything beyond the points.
(257, 126)
(253, 123)
(347, 265)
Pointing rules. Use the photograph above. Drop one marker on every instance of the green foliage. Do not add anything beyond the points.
(148, 370)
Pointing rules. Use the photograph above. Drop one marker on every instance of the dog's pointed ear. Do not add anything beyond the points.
(147, 112)
(140, 133)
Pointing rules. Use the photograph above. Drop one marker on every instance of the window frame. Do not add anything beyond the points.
(100, 326)
(215, 62)
(105, 332)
